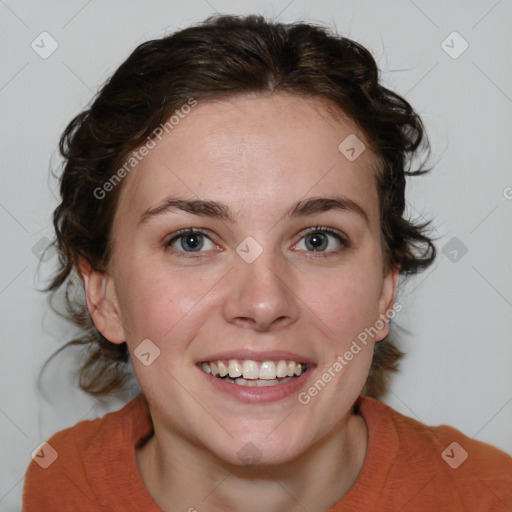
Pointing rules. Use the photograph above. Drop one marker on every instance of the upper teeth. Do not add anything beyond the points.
(248, 369)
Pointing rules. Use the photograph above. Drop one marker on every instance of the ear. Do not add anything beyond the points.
(102, 303)
(386, 303)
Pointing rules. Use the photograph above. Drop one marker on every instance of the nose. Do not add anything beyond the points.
(261, 294)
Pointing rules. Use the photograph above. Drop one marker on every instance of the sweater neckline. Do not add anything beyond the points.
(382, 448)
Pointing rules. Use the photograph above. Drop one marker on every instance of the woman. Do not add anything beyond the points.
(233, 203)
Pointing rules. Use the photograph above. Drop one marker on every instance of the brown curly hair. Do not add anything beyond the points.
(221, 57)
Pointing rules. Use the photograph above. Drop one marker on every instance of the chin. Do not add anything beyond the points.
(259, 450)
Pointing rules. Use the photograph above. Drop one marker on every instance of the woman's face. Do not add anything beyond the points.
(253, 287)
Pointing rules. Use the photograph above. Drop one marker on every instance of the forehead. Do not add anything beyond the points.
(257, 154)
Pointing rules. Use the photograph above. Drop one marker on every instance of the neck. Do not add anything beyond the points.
(181, 475)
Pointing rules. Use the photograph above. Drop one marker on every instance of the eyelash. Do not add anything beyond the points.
(343, 239)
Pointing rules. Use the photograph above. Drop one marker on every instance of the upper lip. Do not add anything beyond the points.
(267, 355)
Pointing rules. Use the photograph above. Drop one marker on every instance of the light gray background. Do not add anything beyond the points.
(458, 367)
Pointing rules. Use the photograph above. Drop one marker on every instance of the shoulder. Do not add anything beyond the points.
(62, 467)
(448, 444)
(443, 459)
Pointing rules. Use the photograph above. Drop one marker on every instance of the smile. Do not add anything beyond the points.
(251, 373)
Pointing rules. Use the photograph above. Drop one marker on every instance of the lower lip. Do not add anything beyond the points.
(258, 394)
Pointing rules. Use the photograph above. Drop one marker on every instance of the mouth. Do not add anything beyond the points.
(250, 373)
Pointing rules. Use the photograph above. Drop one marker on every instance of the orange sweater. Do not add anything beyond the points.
(409, 467)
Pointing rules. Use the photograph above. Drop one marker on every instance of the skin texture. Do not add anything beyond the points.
(258, 155)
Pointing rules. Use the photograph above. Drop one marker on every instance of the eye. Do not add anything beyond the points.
(319, 239)
(190, 241)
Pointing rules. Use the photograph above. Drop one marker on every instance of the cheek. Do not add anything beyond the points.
(346, 302)
(153, 302)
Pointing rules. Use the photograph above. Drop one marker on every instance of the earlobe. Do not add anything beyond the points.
(102, 303)
(386, 303)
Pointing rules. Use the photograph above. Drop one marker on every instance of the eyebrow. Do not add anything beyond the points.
(216, 210)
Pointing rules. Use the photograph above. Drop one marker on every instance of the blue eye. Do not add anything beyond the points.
(191, 242)
(317, 239)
